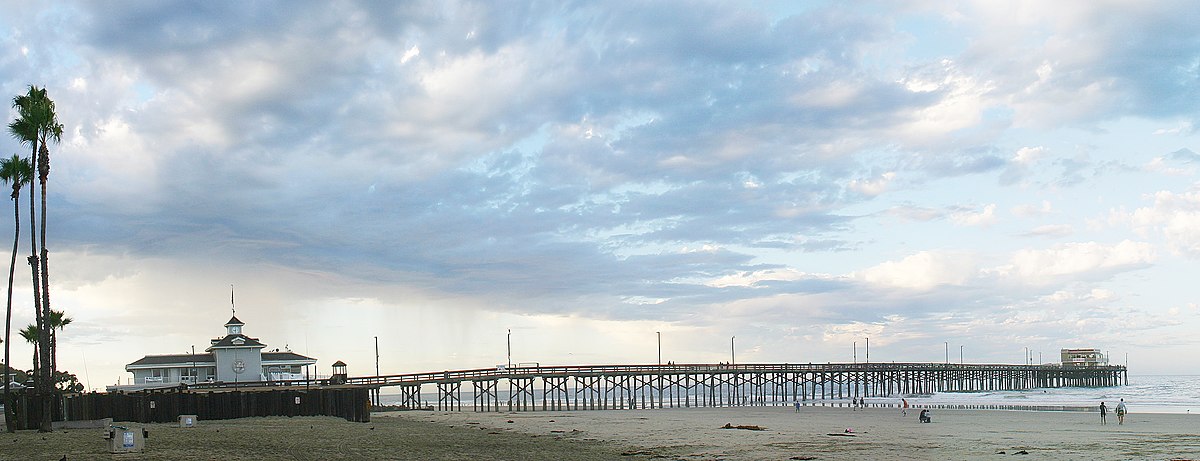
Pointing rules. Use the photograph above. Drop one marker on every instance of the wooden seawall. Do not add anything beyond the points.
(688, 385)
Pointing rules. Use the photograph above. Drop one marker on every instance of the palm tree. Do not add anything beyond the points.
(15, 171)
(57, 320)
(31, 333)
(36, 124)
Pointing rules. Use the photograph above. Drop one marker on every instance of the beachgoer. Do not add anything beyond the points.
(1103, 413)
(924, 416)
(903, 407)
(797, 405)
(1121, 412)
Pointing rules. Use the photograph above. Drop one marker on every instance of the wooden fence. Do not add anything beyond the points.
(165, 406)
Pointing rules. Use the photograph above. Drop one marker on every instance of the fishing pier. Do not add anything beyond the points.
(598, 387)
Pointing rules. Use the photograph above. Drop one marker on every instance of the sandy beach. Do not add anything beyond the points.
(879, 433)
(683, 434)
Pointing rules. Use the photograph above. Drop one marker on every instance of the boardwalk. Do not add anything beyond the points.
(687, 385)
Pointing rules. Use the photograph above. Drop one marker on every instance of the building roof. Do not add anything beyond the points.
(205, 359)
(285, 356)
(236, 341)
(234, 321)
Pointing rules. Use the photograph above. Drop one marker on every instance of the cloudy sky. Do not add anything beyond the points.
(798, 175)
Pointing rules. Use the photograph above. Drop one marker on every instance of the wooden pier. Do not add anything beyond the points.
(597, 387)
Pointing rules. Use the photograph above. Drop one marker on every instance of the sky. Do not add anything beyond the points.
(770, 182)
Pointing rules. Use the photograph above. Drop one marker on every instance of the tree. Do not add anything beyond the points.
(16, 172)
(37, 124)
(56, 321)
(31, 334)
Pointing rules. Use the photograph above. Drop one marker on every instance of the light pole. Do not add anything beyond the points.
(868, 350)
(960, 359)
(659, 333)
(193, 364)
(376, 369)
(854, 355)
(509, 348)
(947, 352)
(1027, 356)
(732, 354)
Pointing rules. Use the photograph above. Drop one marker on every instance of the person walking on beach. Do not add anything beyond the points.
(903, 407)
(1121, 412)
(1103, 413)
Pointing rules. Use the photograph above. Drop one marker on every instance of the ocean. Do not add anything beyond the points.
(1144, 394)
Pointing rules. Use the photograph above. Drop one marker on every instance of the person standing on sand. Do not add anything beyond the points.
(903, 407)
(1103, 413)
(1121, 412)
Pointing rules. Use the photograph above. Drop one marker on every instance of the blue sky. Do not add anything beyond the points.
(991, 175)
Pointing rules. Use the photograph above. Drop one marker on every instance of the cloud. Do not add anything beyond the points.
(924, 270)
(873, 187)
(1051, 230)
(1183, 128)
(1030, 211)
(967, 217)
(467, 163)
(1175, 217)
(1086, 259)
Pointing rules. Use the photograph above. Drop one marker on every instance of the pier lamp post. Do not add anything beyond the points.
(659, 333)
(960, 359)
(947, 352)
(732, 354)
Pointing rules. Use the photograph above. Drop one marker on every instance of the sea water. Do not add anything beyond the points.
(1144, 394)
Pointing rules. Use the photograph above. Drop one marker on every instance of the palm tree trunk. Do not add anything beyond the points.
(45, 340)
(39, 382)
(12, 269)
(43, 174)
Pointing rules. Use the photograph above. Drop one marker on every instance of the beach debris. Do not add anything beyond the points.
(510, 421)
(803, 458)
(1022, 452)
(746, 427)
(642, 453)
(842, 434)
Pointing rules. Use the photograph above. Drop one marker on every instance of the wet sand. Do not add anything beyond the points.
(880, 433)
(684, 434)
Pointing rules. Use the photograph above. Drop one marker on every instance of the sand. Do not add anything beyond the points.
(684, 434)
(308, 438)
(880, 433)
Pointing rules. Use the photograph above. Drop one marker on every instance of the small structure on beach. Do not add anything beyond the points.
(1083, 358)
(232, 358)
